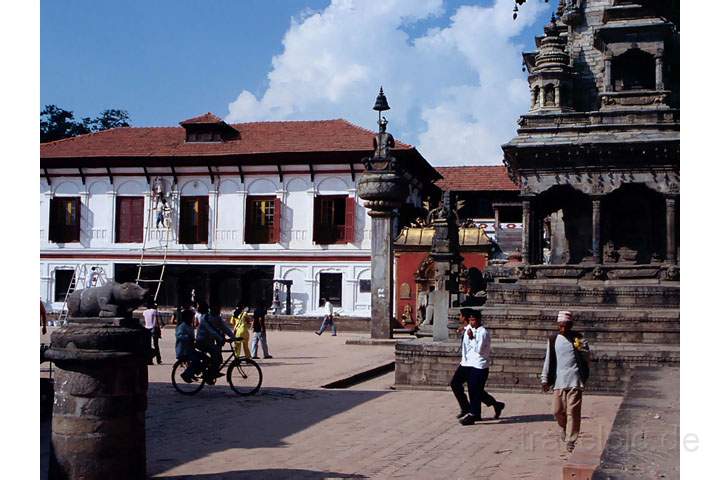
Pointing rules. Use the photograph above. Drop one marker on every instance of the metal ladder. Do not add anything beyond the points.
(80, 277)
(166, 234)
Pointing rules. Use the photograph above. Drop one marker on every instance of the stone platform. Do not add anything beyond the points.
(629, 324)
(516, 366)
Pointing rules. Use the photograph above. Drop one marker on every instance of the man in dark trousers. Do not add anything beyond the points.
(473, 370)
(259, 332)
(566, 369)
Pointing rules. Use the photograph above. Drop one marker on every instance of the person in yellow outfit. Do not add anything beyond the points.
(241, 325)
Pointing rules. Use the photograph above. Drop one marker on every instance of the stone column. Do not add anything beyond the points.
(670, 230)
(98, 424)
(527, 230)
(607, 76)
(596, 231)
(383, 192)
(659, 81)
(557, 95)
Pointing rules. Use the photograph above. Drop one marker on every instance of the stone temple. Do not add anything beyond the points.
(597, 159)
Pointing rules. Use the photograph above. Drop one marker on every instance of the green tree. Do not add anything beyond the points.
(57, 123)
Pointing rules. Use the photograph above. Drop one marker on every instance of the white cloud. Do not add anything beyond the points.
(455, 91)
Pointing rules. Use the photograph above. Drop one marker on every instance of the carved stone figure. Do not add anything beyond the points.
(383, 141)
(110, 300)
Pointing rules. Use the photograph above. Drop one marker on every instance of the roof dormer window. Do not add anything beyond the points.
(208, 128)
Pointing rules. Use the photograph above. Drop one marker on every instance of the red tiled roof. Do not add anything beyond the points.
(208, 117)
(492, 177)
(255, 138)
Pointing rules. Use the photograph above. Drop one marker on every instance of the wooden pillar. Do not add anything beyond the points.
(596, 230)
(670, 228)
(497, 219)
(527, 231)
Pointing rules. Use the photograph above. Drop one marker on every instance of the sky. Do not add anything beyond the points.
(451, 70)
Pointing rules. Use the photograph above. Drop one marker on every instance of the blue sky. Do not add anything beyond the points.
(164, 61)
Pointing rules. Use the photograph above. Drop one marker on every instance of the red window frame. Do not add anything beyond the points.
(65, 216)
(129, 219)
(263, 217)
(333, 225)
(194, 217)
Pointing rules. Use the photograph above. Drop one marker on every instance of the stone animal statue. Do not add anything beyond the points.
(110, 300)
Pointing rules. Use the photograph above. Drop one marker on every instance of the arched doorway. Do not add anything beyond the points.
(566, 216)
(634, 225)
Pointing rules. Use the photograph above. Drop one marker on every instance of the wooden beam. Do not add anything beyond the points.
(352, 171)
(312, 172)
(147, 176)
(47, 177)
(110, 175)
(82, 175)
(242, 175)
(174, 174)
(212, 175)
(280, 173)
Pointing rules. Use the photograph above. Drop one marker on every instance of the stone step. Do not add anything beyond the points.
(517, 365)
(559, 293)
(653, 326)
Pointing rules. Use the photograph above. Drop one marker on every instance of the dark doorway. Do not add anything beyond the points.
(331, 288)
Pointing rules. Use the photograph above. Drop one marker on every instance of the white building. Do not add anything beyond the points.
(248, 203)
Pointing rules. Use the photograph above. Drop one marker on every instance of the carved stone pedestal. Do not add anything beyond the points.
(98, 425)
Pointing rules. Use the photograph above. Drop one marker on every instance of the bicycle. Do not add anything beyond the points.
(241, 374)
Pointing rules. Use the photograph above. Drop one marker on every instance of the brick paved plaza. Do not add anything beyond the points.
(296, 429)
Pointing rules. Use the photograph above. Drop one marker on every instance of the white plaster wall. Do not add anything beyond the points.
(298, 214)
(99, 216)
(226, 218)
(231, 214)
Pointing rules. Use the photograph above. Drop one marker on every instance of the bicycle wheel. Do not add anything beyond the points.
(181, 385)
(244, 376)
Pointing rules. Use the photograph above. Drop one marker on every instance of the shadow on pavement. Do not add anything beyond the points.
(526, 419)
(272, 474)
(181, 429)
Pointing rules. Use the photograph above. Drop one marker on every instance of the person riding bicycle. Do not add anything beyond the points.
(211, 337)
(185, 343)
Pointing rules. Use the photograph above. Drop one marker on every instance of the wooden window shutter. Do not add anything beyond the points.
(248, 218)
(277, 220)
(316, 218)
(138, 219)
(185, 216)
(53, 223)
(76, 205)
(203, 218)
(349, 219)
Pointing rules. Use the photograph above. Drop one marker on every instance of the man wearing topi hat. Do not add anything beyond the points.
(566, 371)
(473, 370)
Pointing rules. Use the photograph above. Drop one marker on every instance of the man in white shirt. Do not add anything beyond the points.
(473, 370)
(566, 371)
(328, 320)
(152, 325)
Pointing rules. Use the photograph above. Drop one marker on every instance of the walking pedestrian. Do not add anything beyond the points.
(152, 325)
(473, 370)
(566, 370)
(240, 321)
(329, 319)
(259, 332)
